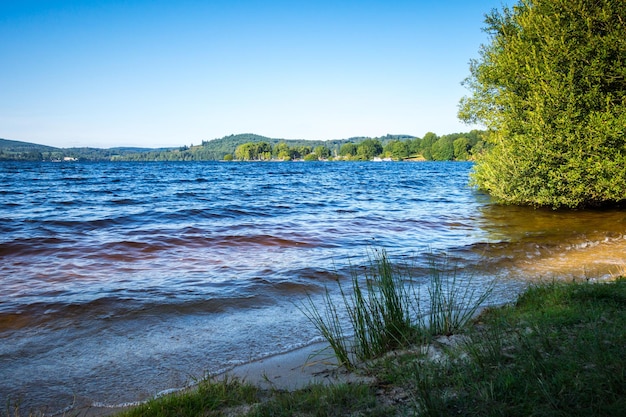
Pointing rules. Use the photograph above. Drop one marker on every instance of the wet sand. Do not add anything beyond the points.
(314, 364)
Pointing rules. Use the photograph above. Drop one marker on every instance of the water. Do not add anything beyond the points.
(121, 280)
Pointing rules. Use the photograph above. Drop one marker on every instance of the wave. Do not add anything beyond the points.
(32, 246)
(129, 304)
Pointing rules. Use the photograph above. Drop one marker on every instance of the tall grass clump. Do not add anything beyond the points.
(452, 301)
(384, 311)
(331, 328)
(378, 313)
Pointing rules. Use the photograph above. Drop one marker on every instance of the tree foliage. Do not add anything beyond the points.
(255, 147)
(461, 148)
(551, 88)
(347, 150)
(369, 149)
(443, 149)
(398, 149)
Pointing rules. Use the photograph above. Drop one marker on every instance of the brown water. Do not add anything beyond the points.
(546, 244)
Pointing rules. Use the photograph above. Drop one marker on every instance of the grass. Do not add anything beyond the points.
(379, 314)
(208, 399)
(385, 310)
(559, 351)
(452, 301)
(232, 397)
(319, 400)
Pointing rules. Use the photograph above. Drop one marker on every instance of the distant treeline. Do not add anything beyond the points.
(457, 146)
(453, 147)
(250, 147)
(226, 147)
(12, 150)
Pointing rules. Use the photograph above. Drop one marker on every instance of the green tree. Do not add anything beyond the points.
(252, 151)
(322, 152)
(299, 152)
(348, 150)
(461, 149)
(551, 88)
(282, 151)
(415, 147)
(368, 149)
(443, 149)
(263, 151)
(245, 152)
(397, 149)
(427, 143)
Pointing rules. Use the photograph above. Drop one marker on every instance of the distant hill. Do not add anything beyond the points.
(228, 144)
(7, 145)
(14, 150)
(215, 149)
(20, 146)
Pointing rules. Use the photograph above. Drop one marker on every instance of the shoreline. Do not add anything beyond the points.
(287, 371)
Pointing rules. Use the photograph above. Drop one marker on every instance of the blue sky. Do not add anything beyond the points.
(170, 73)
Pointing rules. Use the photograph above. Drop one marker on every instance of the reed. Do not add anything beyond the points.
(328, 323)
(452, 301)
(379, 309)
(385, 312)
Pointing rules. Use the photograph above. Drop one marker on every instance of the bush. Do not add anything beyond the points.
(551, 89)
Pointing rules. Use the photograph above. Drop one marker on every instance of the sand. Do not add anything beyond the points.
(290, 371)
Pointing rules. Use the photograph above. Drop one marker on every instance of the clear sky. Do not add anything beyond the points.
(169, 73)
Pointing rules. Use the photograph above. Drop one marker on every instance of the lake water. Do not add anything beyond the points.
(122, 280)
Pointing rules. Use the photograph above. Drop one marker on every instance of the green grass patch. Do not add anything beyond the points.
(234, 398)
(559, 351)
(319, 400)
(209, 398)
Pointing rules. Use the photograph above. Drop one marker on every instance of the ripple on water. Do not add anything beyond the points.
(131, 277)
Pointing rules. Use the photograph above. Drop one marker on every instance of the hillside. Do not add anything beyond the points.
(228, 144)
(441, 148)
(216, 149)
(15, 150)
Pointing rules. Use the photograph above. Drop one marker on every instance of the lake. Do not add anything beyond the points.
(122, 280)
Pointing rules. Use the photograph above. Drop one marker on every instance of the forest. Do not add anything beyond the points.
(456, 146)
(453, 147)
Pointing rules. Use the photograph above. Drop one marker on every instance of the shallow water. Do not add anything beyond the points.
(121, 280)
